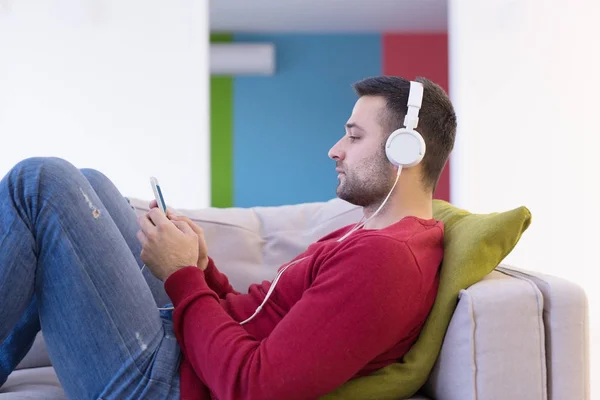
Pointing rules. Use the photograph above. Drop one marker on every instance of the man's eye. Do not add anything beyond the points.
(353, 138)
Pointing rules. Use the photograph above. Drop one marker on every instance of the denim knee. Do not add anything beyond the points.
(54, 165)
(96, 178)
(38, 175)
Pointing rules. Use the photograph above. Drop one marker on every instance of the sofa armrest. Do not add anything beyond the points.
(494, 346)
(566, 327)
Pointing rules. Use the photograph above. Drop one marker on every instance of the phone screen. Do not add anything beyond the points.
(158, 194)
(161, 203)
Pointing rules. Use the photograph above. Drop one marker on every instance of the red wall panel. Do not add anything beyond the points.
(426, 55)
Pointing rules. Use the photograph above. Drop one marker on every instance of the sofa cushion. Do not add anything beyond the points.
(474, 244)
(32, 383)
(494, 346)
(37, 356)
(43, 384)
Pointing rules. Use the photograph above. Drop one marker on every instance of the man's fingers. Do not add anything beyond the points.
(154, 204)
(142, 237)
(191, 223)
(171, 215)
(183, 226)
(157, 217)
(145, 224)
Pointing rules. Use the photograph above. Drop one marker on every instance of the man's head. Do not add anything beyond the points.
(366, 175)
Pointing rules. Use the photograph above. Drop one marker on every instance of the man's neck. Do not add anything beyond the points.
(416, 205)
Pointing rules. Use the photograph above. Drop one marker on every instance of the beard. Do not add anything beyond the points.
(367, 185)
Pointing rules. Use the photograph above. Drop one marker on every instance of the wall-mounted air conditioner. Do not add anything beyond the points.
(242, 59)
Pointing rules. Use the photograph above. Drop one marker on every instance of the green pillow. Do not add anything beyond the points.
(474, 244)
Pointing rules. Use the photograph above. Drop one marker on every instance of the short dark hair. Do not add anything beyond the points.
(437, 120)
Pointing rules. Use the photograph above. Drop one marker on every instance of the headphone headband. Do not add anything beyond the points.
(415, 98)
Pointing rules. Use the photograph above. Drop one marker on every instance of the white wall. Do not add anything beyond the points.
(117, 85)
(525, 79)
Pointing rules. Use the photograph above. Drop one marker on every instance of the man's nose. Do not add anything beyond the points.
(336, 153)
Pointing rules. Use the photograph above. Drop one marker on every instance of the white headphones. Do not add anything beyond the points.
(405, 147)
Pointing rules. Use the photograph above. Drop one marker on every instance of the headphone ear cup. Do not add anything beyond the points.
(405, 148)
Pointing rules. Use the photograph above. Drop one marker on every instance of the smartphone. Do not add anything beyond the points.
(158, 194)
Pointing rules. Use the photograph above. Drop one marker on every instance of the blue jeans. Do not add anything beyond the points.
(69, 264)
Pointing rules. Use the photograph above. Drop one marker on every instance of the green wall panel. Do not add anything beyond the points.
(221, 135)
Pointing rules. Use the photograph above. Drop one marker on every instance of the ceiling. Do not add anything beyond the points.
(328, 16)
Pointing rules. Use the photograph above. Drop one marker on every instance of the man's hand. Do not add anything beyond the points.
(166, 245)
(202, 247)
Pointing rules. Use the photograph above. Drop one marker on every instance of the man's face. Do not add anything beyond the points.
(365, 174)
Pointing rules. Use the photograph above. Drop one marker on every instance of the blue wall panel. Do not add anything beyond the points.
(284, 125)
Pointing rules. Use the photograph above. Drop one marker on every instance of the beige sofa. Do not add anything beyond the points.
(514, 335)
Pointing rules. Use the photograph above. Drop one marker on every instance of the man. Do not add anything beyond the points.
(341, 310)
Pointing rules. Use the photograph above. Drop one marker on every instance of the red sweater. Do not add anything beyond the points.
(347, 310)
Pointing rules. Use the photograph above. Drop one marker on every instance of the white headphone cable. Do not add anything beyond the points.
(271, 289)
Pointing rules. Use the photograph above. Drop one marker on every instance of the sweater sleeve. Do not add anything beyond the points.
(217, 280)
(362, 302)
